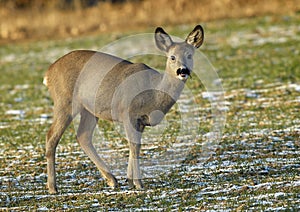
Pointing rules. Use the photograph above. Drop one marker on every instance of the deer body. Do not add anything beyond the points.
(98, 85)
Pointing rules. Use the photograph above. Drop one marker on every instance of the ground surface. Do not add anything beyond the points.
(255, 167)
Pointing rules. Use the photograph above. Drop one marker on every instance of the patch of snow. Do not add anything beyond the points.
(44, 208)
(15, 112)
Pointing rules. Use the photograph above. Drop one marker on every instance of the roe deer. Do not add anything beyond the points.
(99, 85)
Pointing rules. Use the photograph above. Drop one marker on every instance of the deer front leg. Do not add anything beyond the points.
(134, 134)
(133, 171)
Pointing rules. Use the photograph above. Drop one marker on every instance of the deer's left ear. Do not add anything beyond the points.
(196, 37)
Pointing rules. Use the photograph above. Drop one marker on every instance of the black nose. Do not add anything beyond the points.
(183, 71)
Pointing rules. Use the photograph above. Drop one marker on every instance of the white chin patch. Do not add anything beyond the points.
(182, 76)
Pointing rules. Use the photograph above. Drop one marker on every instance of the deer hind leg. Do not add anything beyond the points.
(134, 134)
(84, 136)
(62, 119)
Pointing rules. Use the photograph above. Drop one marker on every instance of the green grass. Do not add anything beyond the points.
(256, 166)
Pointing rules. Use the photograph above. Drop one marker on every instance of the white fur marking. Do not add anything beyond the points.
(182, 78)
(45, 81)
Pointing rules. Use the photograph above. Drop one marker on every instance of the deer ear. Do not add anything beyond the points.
(196, 37)
(162, 39)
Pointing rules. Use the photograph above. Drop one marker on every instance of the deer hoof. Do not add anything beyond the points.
(112, 182)
(135, 184)
(53, 190)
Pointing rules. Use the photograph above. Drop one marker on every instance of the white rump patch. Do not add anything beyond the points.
(45, 81)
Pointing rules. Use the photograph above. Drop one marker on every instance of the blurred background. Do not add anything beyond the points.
(22, 20)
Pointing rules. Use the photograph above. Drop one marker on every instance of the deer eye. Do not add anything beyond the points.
(189, 56)
(173, 58)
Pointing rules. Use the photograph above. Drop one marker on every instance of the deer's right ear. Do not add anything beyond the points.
(162, 39)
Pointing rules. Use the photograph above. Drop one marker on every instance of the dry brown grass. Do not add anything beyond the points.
(33, 24)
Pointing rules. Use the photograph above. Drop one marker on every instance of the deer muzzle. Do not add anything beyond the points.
(183, 72)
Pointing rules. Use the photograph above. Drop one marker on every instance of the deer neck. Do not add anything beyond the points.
(168, 91)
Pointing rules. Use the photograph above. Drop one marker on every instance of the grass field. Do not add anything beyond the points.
(256, 166)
